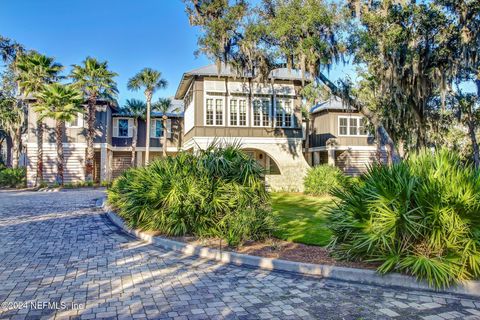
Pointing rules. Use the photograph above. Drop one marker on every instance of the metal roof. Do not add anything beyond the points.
(176, 104)
(334, 103)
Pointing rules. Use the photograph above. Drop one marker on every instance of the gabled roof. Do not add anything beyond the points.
(227, 71)
(334, 103)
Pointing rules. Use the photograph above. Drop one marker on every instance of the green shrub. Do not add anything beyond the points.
(218, 192)
(13, 178)
(322, 179)
(421, 217)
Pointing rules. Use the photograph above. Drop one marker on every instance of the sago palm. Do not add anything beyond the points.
(61, 103)
(96, 81)
(136, 109)
(164, 105)
(150, 80)
(34, 72)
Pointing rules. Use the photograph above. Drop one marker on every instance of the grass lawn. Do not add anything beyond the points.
(301, 218)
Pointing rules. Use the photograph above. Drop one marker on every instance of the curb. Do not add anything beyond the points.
(363, 276)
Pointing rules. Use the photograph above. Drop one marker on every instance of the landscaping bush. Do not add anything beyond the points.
(13, 178)
(219, 192)
(322, 179)
(421, 217)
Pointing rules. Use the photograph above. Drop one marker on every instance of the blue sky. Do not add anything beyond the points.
(130, 35)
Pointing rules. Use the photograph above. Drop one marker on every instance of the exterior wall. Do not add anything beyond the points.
(356, 162)
(226, 88)
(325, 126)
(73, 167)
(174, 141)
(286, 152)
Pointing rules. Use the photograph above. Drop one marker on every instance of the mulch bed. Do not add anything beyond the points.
(279, 249)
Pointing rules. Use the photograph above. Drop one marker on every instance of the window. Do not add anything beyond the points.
(343, 126)
(352, 126)
(233, 113)
(214, 114)
(284, 114)
(123, 127)
(288, 114)
(243, 112)
(157, 128)
(219, 112)
(76, 122)
(261, 113)
(210, 112)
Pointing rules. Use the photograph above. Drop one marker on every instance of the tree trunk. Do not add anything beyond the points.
(16, 139)
(9, 143)
(91, 108)
(60, 158)
(148, 96)
(307, 140)
(164, 138)
(39, 178)
(473, 138)
(134, 142)
(384, 136)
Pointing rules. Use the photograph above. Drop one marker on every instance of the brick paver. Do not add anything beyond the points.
(61, 258)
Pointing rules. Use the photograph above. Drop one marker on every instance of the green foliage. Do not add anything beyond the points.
(420, 216)
(13, 178)
(80, 184)
(218, 192)
(321, 180)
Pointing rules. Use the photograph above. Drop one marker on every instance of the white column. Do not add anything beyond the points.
(109, 165)
(331, 156)
(139, 158)
(103, 163)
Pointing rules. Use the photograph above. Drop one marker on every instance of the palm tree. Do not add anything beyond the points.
(164, 105)
(61, 103)
(34, 71)
(95, 81)
(136, 109)
(12, 117)
(150, 80)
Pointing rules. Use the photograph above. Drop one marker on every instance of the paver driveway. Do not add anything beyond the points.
(57, 248)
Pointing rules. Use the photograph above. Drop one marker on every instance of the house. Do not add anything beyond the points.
(112, 143)
(264, 117)
(339, 136)
(219, 105)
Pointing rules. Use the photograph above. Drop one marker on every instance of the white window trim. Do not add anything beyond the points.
(81, 121)
(292, 115)
(241, 98)
(252, 118)
(214, 98)
(348, 126)
(129, 131)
